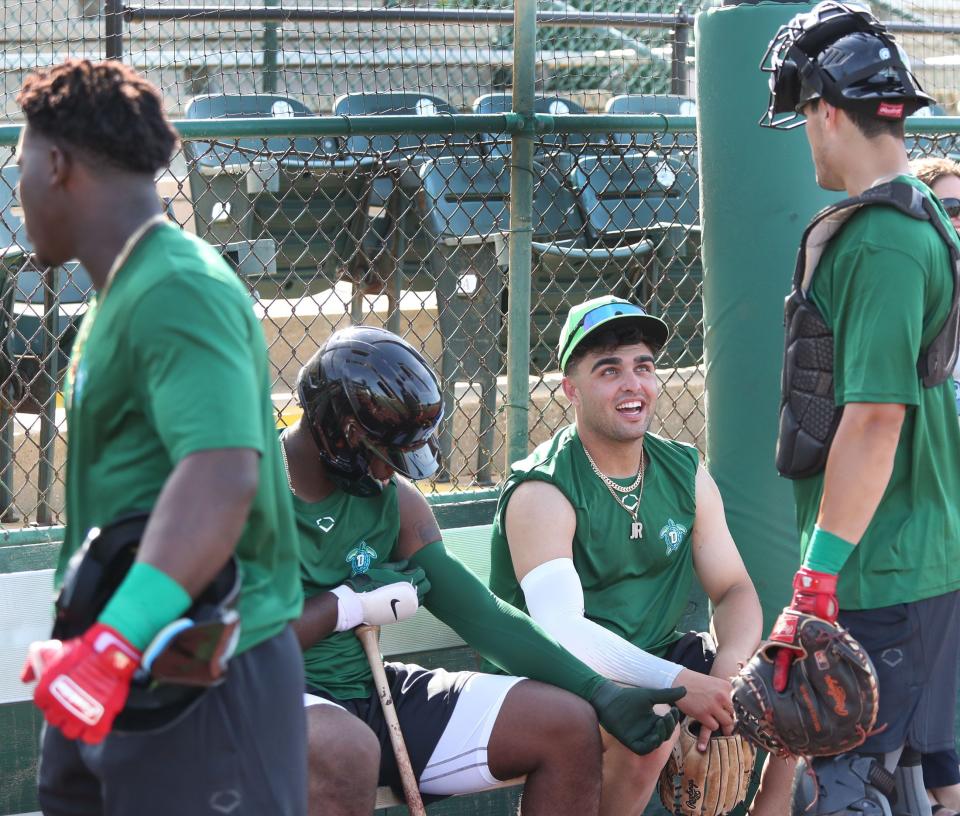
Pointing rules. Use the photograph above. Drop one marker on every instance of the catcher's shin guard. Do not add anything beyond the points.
(911, 797)
(846, 785)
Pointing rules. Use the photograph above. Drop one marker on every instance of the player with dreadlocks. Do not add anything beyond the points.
(168, 405)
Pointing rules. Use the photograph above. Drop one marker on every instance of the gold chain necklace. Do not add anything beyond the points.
(636, 527)
(286, 465)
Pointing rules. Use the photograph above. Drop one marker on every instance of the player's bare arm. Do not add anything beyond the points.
(540, 525)
(737, 617)
(418, 525)
(200, 514)
(319, 619)
(859, 467)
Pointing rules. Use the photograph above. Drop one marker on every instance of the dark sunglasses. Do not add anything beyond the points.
(952, 206)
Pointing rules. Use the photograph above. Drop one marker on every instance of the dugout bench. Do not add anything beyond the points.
(27, 558)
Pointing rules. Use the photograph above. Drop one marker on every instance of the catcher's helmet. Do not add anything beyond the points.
(384, 385)
(842, 53)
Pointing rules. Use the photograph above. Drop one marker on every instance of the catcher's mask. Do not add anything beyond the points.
(841, 53)
(367, 394)
(191, 651)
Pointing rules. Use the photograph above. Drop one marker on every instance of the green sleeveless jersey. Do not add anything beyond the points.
(636, 588)
(342, 536)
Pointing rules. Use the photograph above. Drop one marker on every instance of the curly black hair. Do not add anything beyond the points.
(608, 338)
(105, 109)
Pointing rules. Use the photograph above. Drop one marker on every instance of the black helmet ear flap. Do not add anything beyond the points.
(785, 88)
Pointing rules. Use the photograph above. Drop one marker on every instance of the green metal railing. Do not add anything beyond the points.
(240, 177)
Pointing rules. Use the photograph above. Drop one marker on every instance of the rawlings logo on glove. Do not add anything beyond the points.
(826, 703)
(706, 783)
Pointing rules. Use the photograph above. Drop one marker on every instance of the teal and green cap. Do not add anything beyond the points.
(585, 318)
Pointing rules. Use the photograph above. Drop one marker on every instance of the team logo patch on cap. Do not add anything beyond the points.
(890, 110)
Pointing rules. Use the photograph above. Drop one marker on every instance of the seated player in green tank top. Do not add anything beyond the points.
(370, 550)
(600, 532)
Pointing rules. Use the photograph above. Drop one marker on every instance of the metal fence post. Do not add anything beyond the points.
(113, 29)
(521, 231)
(270, 47)
(48, 379)
(678, 65)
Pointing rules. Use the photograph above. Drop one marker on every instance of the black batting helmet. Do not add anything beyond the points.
(383, 384)
(841, 53)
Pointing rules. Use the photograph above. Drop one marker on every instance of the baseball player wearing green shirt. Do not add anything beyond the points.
(868, 426)
(169, 413)
(600, 532)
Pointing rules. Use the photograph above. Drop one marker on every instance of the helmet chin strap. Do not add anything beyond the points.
(359, 483)
(366, 487)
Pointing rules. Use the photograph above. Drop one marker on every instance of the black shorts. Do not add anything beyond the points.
(239, 749)
(914, 648)
(447, 745)
(941, 769)
(695, 651)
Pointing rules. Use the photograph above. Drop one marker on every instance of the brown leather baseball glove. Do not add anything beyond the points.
(830, 702)
(709, 783)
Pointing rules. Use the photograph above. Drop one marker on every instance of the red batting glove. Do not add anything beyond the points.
(85, 684)
(785, 632)
(39, 655)
(816, 594)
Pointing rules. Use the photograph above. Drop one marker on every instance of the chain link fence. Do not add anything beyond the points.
(404, 231)
(316, 51)
(333, 220)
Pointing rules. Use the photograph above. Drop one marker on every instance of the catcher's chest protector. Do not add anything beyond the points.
(808, 414)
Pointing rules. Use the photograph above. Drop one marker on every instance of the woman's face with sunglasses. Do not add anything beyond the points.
(947, 189)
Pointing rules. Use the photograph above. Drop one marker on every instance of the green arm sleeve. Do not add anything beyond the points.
(501, 633)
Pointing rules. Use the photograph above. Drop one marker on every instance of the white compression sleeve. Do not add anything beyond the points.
(554, 597)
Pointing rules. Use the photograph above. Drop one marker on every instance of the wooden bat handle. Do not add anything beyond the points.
(370, 639)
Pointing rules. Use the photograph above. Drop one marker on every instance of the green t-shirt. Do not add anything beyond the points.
(342, 536)
(169, 362)
(884, 287)
(637, 589)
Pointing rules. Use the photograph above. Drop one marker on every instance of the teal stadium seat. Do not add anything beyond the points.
(499, 143)
(465, 209)
(395, 245)
(644, 104)
(629, 191)
(300, 194)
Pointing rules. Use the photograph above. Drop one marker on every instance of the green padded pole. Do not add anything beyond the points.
(758, 192)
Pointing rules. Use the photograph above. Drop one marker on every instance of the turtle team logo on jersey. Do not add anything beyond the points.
(361, 558)
(672, 535)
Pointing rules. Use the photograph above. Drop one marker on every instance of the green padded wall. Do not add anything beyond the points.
(758, 192)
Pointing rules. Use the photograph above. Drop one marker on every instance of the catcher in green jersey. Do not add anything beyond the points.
(370, 551)
(600, 532)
